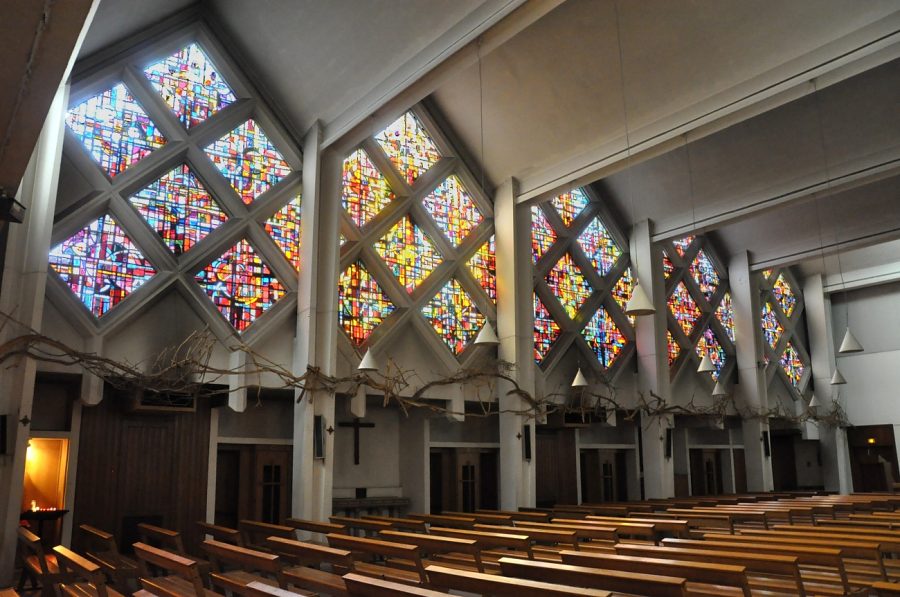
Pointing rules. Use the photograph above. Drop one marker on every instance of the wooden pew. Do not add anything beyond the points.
(583, 532)
(308, 558)
(492, 584)
(554, 538)
(886, 589)
(182, 578)
(365, 525)
(493, 546)
(39, 567)
(255, 533)
(385, 550)
(459, 522)
(245, 565)
(102, 549)
(432, 545)
(170, 541)
(676, 527)
(93, 580)
(366, 586)
(520, 515)
(401, 524)
(482, 517)
(220, 533)
(261, 589)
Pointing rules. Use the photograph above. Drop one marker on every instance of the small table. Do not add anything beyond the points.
(41, 517)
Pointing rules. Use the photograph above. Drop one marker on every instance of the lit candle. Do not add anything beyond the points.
(34, 507)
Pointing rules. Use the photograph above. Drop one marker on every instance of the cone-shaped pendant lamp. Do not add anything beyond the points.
(850, 343)
(719, 390)
(368, 362)
(487, 336)
(837, 379)
(580, 380)
(639, 303)
(814, 401)
(706, 364)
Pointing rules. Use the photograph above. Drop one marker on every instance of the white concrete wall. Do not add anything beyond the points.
(379, 455)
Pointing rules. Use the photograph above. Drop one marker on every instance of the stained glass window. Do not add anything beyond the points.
(409, 146)
(725, 314)
(767, 273)
(621, 292)
(454, 316)
(101, 265)
(683, 307)
(682, 244)
(604, 337)
(249, 161)
(599, 246)
(570, 204)
(784, 295)
(452, 209)
(179, 209)
(708, 344)
(408, 252)
(365, 190)
(362, 305)
(284, 228)
(673, 348)
(568, 285)
(545, 330)
(240, 285)
(190, 85)
(772, 328)
(792, 364)
(668, 266)
(115, 129)
(704, 273)
(483, 265)
(542, 234)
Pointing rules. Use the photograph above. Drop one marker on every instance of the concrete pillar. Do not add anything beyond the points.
(22, 296)
(515, 320)
(653, 365)
(835, 454)
(751, 393)
(415, 470)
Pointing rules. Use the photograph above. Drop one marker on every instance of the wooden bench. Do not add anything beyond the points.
(431, 545)
(583, 532)
(255, 533)
(554, 539)
(520, 515)
(39, 567)
(457, 522)
(171, 541)
(93, 580)
(102, 549)
(483, 517)
(261, 589)
(366, 586)
(235, 565)
(401, 524)
(493, 546)
(383, 550)
(180, 577)
(309, 557)
(220, 533)
(365, 525)
(492, 584)
(886, 589)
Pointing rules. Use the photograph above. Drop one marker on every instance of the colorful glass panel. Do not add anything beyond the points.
(240, 285)
(567, 283)
(115, 129)
(179, 209)
(767, 273)
(792, 364)
(362, 305)
(621, 292)
(284, 228)
(365, 190)
(546, 331)
(673, 348)
(704, 273)
(408, 252)
(683, 307)
(604, 337)
(190, 85)
(249, 161)
(101, 265)
(668, 266)
(409, 147)
(682, 244)
(725, 314)
(570, 205)
(483, 265)
(784, 294)
(454, 316)
(599, 246)
(453, 209)
(709, 344)
(772, 328)
(542, 234)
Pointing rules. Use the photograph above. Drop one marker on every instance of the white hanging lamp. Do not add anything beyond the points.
(639, 303)
(814, 402)
(719, 390)
(850, 343)
(580, 380)
(837, 379)
(368, 362)
(487, 336)
(706, 364)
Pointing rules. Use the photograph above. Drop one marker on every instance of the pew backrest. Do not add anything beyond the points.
(169, 562)
(78, 566)
(492, 584)
(220, 533)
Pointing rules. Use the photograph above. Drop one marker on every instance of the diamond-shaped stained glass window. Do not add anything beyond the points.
(545, 330)
(365, 191)
(453, 209)
(240, 285)
(101, 265)
(362, 305)
(725, 314)
(704, 273)
(249, 161)
(284, 228)
(483, 265)
(568, 285)
(604, 337)
(673, 348)
(709, 344)
(683, 307)
(682, 244)
(542, 234)
(767, 273)
(179, 209)
(784, 294)
(409, 147)
(570, 205)
(621, 292)
(792, 364)
(599, 246)
(772, 328)
(115, 129)
(408, 252)
(668, 266)
(454, 316)
(191, 86)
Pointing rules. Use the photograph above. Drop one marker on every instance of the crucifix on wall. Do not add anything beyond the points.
(357, 424)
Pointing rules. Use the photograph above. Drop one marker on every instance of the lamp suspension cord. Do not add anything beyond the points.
(628, 174)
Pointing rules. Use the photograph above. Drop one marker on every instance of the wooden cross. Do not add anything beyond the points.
(357, 425)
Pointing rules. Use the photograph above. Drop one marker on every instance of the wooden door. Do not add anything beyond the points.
(740, 471)
(436, 481)
(253, 482)
(556, 469)
(272, 483)
(489, 496)
(784, 463)
(468, 480)
(591, 486)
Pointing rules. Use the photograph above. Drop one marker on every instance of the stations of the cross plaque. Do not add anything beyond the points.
(357, 424)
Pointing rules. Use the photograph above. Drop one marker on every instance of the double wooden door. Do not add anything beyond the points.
(464, 479)
(253, 482)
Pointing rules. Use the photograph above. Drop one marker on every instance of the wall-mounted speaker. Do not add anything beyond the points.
(670, 441)
(767, 448)
(319, 437)
(526, 441)
(4, 422)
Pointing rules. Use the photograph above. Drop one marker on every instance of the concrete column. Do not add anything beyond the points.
(415, 470)
(751, 393)
(515, 320)
(653, 364)
(835, 454)
(22, 297)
